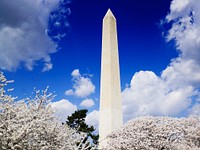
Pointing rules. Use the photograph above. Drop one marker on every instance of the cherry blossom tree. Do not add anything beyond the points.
(157, 133)
(30, 124)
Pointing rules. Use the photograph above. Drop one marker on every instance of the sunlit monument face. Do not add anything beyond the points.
(110, 94)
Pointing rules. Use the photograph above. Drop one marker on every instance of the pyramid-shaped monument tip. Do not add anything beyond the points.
(109, 13)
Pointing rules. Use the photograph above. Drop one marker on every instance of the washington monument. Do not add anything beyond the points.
(110, 90)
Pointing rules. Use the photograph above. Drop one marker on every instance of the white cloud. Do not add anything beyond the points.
(178, 7)
(63, 108)
(93, 119)
(69, 92)
(87, 103)
(75, 73)
(82, 86)
(195, 110)
(177, 89)
(182, 72)
(47, 67)
(150, 95)
(23, 40)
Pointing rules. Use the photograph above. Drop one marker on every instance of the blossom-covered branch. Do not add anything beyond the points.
(30, 124)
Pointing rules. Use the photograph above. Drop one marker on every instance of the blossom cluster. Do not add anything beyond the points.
(31, 124)
(157, 133)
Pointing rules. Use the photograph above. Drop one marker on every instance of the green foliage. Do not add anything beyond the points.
(77, 121)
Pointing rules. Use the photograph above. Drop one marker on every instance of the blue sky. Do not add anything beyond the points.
(46, 43)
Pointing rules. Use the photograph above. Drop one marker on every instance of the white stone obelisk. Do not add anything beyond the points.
(110, 90)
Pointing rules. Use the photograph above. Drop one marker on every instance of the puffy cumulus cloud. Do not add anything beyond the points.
(63, 108)
(23, 40)
(177, 89)
(75, 73)
(87, 103)
(185, 30)
(82, 85)
(149, 94)
(93, 119)
(182, 73)
(177, 8)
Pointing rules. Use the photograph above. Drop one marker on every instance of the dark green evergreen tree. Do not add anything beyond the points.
(77, 121)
